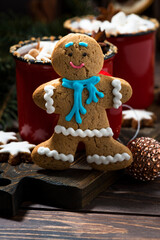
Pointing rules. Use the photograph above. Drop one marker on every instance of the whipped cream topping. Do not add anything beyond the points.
(120, 24)
(43, 53)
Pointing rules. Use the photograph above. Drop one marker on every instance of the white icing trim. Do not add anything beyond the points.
(106, 132)
(109, 159)
(53, 153)
(116, 92)
(49, 91)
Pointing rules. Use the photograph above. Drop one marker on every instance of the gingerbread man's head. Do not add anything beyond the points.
(77, 57)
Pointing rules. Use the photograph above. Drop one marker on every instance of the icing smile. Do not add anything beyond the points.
(78, 67)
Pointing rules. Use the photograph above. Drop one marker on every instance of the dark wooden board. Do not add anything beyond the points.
(81, 226)
(125, 196)
(73, 188)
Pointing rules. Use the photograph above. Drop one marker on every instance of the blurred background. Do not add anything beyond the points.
(20, 20)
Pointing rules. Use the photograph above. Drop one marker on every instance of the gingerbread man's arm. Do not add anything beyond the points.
(116, 91)
(51, 96)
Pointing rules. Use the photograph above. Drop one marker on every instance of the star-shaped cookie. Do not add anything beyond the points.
(6, 137)
(16, 152)
(131, 117)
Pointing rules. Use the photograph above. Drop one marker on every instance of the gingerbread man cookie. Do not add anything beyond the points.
(80, 97)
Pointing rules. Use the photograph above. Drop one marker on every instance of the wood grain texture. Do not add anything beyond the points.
(125, 196)
(130, 197)
(72, 188)
(72, 225)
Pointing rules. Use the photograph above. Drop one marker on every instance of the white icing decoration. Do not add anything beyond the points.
(116, 92)
(106, 132)
(120, 24)
(53, 153)
(16, 147)
(7, 136)
(49, 91)
(137, 114)
(109, 159)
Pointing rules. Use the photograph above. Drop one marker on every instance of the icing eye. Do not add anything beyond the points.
(70, 54)
(84, 54)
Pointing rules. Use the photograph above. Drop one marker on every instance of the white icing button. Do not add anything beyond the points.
(103, 132)
(108, 159)
(116, 83)
(53, 153)
(49, 91)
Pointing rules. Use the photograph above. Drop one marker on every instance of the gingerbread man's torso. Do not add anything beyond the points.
(95, 117)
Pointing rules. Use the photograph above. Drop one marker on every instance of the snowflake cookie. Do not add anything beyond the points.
(6, 137)
(131, 117)
(16, 152)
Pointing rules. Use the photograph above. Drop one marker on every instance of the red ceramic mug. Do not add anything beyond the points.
(135, 63)
(35, 125)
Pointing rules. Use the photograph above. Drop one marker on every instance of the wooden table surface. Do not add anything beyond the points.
(128, 209)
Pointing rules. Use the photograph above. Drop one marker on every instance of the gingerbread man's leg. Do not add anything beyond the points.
(106, 154)
(57, 153)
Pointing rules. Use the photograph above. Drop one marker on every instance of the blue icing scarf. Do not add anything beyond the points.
(78, 86)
